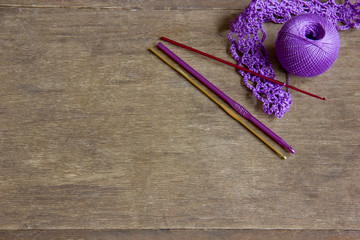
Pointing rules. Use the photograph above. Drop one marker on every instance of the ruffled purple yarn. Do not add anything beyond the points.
(247, 36)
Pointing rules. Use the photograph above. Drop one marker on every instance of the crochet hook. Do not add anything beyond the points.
(225, 108)
(236, 106)
(239, 67)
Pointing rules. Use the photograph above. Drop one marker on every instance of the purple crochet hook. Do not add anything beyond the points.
(237, 107)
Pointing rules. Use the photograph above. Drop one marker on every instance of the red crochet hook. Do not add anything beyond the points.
(239, 67)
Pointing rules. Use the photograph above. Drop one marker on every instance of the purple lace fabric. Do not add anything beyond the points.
(247, 36)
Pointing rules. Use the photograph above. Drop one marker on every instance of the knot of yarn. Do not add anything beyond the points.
(247, 37)
(307, 45)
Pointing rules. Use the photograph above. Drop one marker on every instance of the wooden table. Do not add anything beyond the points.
(101, 140)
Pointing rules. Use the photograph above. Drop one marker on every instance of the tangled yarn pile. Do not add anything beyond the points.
(247, 36)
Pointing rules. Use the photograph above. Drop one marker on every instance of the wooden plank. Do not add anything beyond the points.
(97, 133)
(181, 234)
(129, 5)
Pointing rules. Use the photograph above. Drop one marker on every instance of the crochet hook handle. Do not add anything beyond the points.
(243, 112)
(237, 107)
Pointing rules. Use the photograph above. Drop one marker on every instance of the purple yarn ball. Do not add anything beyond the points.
(307, 45)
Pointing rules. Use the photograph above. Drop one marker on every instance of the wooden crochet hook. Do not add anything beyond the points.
(225, 108)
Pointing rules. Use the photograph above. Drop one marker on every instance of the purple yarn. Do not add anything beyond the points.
(307, 45)
(247, 37)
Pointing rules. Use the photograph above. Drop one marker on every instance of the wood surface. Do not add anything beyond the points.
(181, 234)
(98, 133)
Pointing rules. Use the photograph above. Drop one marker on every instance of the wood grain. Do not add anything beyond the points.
(129, 5)
(180, 234)
(97, 133)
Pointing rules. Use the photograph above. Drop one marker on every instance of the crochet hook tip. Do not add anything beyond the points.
(283, 157)
(292, 151)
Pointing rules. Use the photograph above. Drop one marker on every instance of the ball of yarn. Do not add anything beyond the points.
(307, 45)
